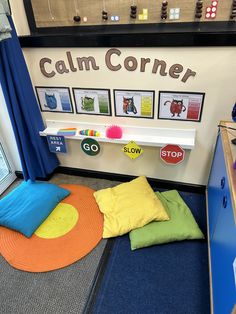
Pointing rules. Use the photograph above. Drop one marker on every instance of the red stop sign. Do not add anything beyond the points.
(172, 154)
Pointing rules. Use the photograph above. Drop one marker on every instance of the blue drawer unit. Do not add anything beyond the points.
(222, 235)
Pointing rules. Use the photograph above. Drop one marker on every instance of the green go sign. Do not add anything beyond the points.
(90, 147)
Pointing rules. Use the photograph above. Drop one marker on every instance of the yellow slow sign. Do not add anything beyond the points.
(132, 150)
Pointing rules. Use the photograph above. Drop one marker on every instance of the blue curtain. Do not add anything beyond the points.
(26, 119)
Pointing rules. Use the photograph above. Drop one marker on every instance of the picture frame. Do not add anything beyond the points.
(92, 101)
(134, 103)
(180, 106)
(54, 99)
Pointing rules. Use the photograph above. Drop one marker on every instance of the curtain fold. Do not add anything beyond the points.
(26, 119)
(6, 7)
(5, 28)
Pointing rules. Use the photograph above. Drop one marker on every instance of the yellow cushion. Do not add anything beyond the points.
(128, 206)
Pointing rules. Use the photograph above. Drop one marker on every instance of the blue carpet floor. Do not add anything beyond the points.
(163, 279)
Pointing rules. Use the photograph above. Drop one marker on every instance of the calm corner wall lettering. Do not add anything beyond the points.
(113, 61)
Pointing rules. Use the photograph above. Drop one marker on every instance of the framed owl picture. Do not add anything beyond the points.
(54, 99)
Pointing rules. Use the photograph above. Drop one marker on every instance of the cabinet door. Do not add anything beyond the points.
(223, 253)
(215, 186)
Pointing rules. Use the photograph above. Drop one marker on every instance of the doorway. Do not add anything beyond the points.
(9, 156)
(7, 171)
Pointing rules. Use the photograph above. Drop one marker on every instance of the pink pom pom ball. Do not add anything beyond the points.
(114, 131)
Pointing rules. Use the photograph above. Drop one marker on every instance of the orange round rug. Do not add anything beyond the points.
(70, 232)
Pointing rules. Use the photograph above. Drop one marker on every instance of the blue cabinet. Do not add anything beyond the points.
(222, 234)
(216, 186)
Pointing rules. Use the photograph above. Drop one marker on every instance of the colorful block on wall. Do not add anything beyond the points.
(211, 10)
(174, 14)
(144, 15)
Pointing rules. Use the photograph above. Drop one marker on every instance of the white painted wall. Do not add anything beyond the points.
(216, 76)
(19, 17)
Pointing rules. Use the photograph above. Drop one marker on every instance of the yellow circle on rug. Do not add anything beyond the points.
(37, 254)
(61, 220)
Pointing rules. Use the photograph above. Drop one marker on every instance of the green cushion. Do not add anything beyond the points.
(181, 226)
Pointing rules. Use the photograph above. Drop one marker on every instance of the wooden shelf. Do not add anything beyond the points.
(146, 136)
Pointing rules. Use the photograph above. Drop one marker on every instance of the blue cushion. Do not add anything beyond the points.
(29, 204)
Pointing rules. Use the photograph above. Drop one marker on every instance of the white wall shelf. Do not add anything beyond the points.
(146, 136)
